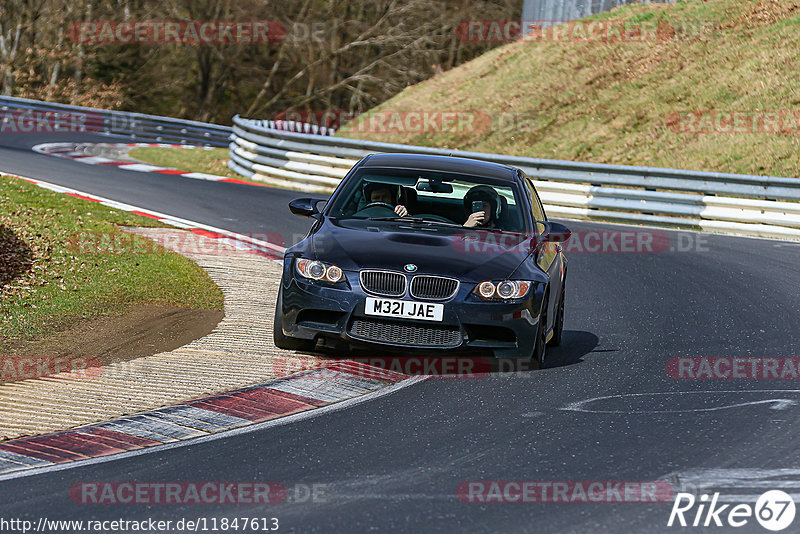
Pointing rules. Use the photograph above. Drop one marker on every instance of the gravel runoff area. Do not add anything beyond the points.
(238, 353)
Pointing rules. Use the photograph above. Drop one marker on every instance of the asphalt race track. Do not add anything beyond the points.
(395, 462)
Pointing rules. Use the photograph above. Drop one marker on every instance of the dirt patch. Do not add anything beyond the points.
(15, 255)
(769, 12)
(141, 331)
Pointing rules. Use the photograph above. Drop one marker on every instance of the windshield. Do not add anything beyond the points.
(431, 197)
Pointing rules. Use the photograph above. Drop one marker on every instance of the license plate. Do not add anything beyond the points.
(404, 309)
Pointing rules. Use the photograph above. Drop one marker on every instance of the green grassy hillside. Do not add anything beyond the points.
(626, 101)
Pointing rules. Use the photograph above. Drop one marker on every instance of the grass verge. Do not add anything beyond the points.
(211, 161)
(49, 280)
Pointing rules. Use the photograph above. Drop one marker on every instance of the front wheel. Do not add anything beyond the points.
(558, 326)
(281, 340)
(540, 348)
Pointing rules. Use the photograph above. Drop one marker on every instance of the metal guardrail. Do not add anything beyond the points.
(26, 116)
(275, 152)
(761, 206)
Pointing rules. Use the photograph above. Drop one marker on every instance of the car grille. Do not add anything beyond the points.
(433, 287)
(386, 283)
(405, 334)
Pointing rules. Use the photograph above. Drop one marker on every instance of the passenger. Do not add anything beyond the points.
(487, 217)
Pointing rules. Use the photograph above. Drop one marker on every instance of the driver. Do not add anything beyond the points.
(485, 218)
(385, 193)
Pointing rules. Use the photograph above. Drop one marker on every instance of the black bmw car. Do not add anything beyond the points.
(426, 253)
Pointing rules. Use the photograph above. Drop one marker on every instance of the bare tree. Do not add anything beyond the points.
(8, 52)
(346, 55)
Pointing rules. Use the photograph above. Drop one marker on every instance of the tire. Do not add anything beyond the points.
(281, 340)
(539, 354)
(558, 327)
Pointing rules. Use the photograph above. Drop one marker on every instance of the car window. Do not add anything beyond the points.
(536, 206)
(431, 195)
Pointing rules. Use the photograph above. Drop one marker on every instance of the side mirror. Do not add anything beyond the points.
(306, 207)
(555, 232)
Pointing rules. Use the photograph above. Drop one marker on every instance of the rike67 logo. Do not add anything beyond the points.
(774, 510)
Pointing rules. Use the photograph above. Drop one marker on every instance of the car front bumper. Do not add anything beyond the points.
(469, 325)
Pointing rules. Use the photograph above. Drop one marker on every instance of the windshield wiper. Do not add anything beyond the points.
(443, 222)
(398, 218)
(412, 220)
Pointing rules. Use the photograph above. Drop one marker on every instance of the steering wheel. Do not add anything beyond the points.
(377, 209)
(381, 204)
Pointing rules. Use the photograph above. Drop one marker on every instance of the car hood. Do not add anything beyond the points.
(470, 255)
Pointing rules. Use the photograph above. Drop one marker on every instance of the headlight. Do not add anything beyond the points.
(503, 290)
(486, 289)
(316, 270)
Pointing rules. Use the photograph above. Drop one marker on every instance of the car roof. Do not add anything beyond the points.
(442, 163)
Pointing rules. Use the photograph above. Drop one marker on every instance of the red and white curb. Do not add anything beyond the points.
(240, 241)
(67, 150)
(301, 392)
